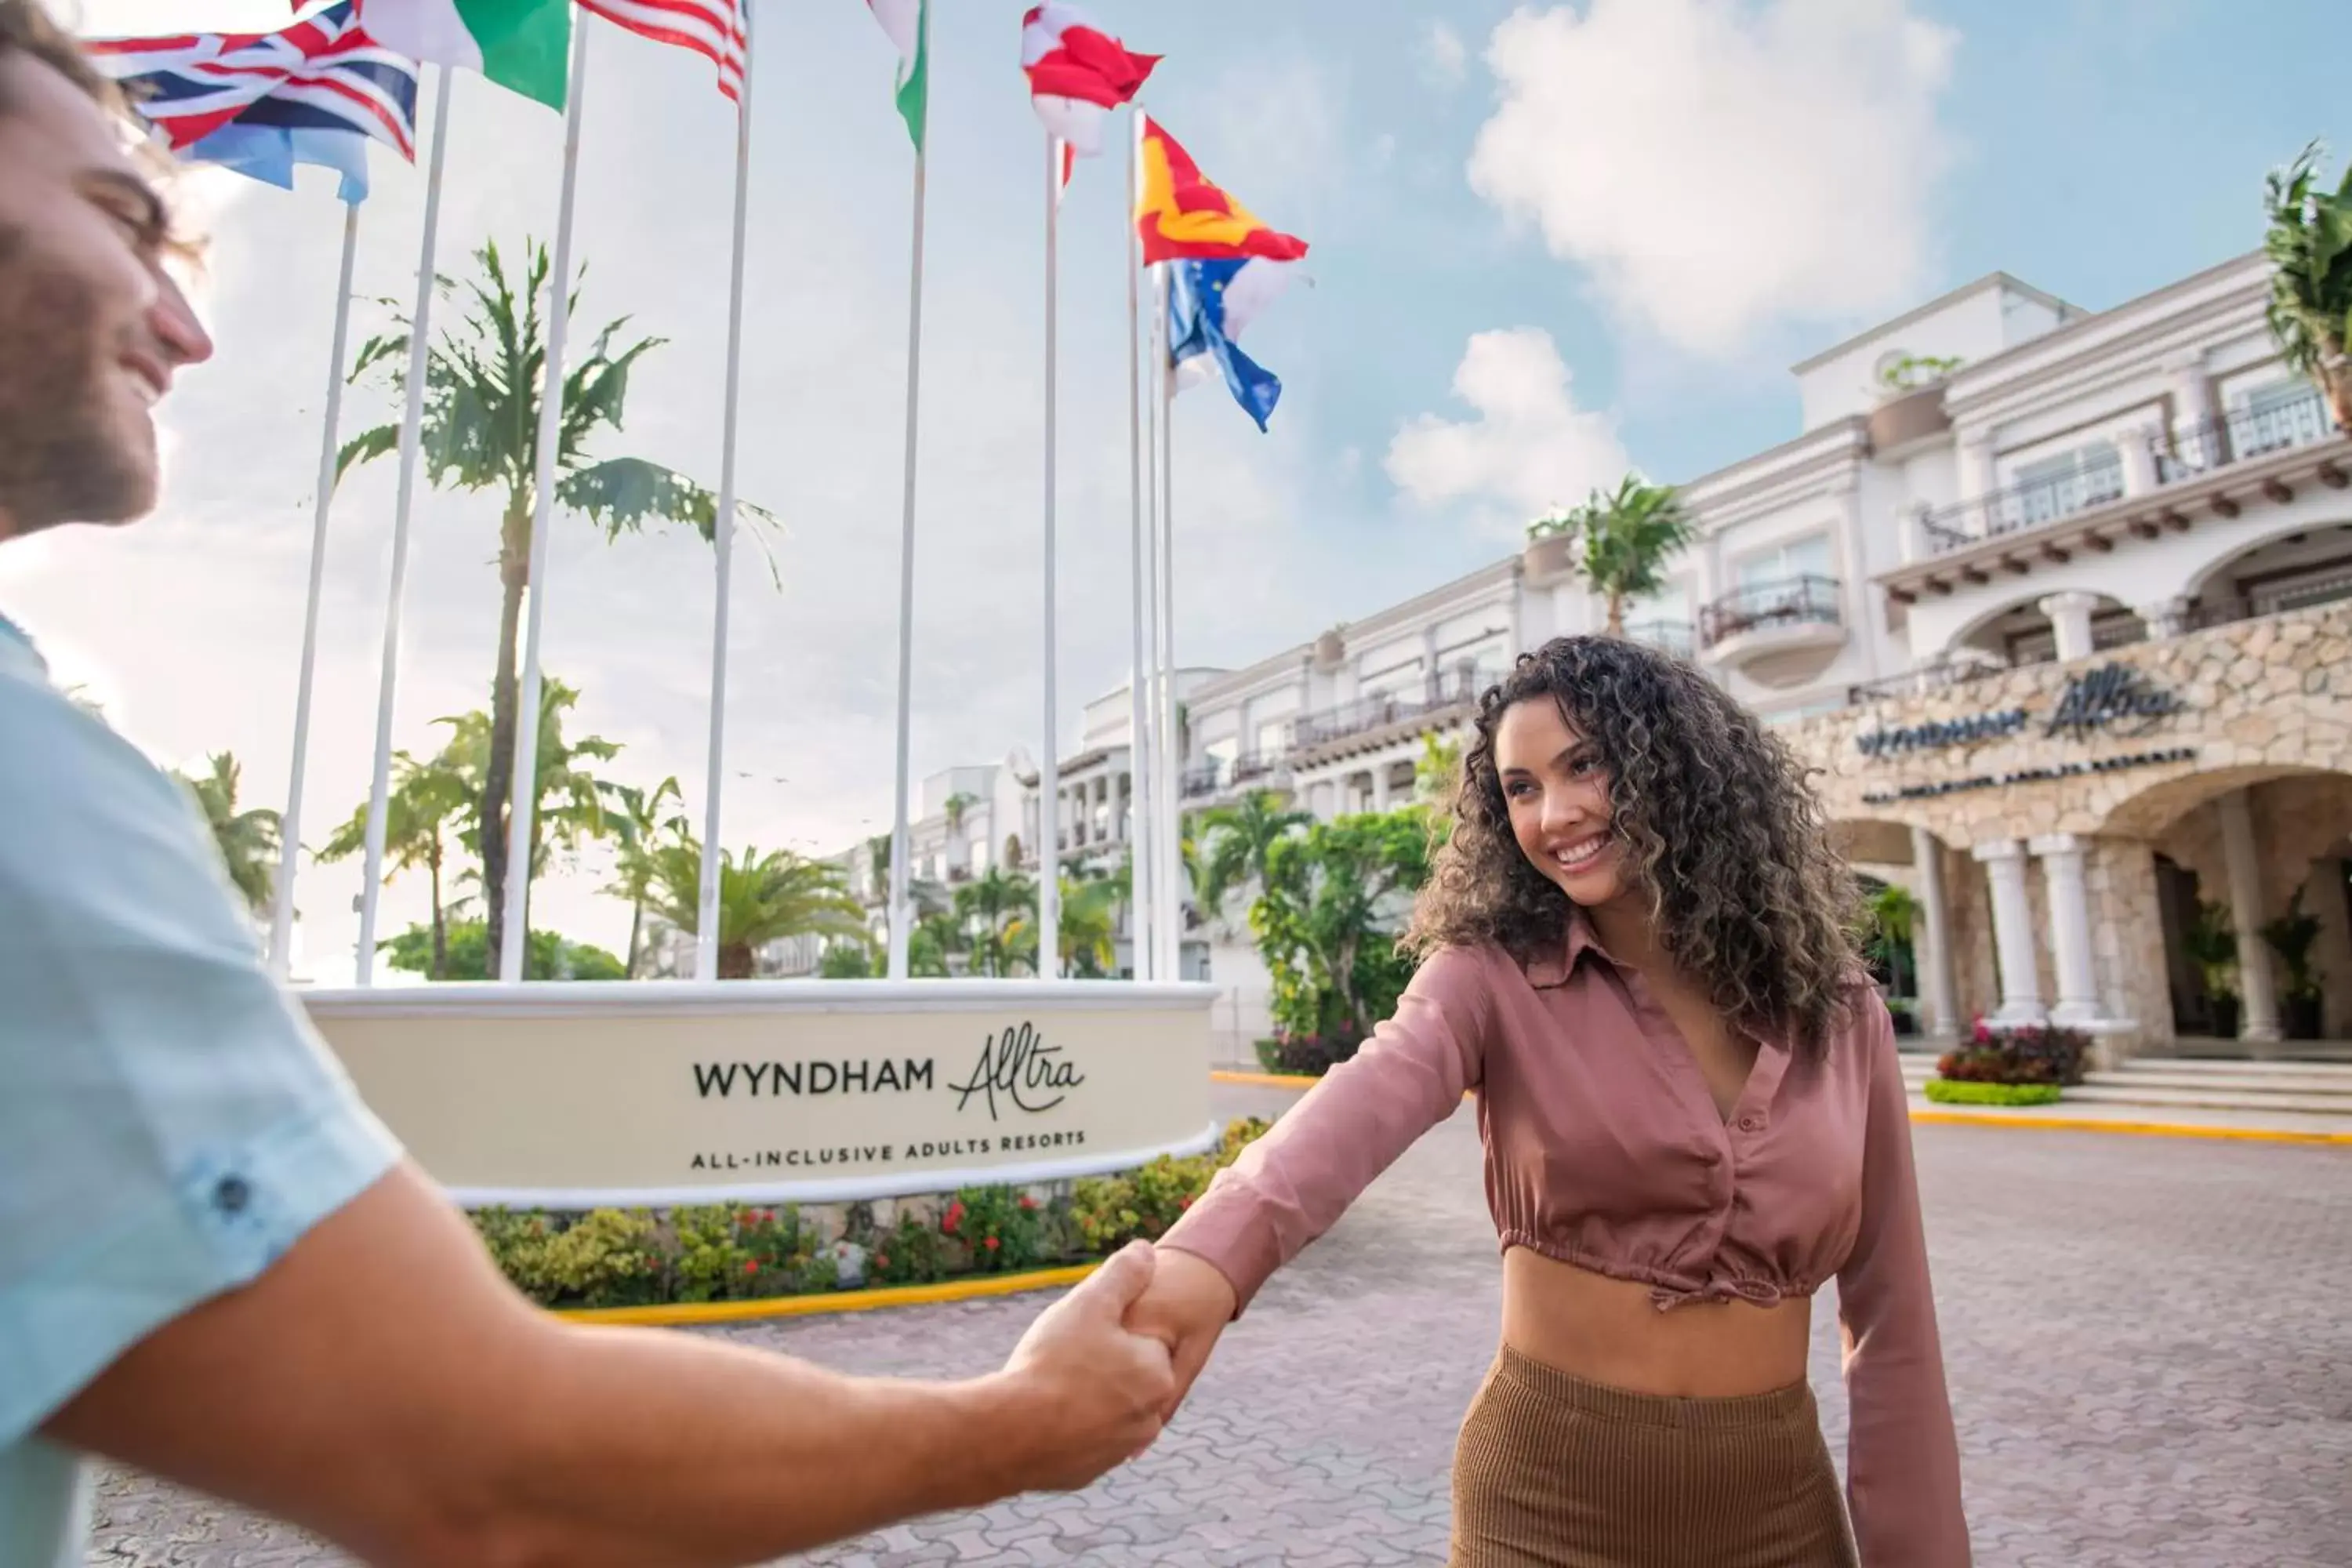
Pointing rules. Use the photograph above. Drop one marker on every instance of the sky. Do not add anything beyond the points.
(1550, 243)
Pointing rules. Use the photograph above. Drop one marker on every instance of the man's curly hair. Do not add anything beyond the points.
(1714, 820)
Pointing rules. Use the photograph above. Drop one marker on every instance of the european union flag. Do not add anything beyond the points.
(1209, 305)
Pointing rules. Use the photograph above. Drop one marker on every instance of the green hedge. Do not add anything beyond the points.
(736, 1252)
(1948, 1091)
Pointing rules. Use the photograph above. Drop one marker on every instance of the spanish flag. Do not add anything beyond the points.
(1181, 216)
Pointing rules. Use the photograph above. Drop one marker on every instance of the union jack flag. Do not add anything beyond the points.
(711, 29)
(261, 101)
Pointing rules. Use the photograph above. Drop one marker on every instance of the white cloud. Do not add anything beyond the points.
(1530, 449)
(1447, 57)
(1721, 166)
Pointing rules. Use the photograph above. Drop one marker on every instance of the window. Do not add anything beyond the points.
(1786, 563)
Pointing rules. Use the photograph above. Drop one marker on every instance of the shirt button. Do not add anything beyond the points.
(1747, 1124)
(231, 1194)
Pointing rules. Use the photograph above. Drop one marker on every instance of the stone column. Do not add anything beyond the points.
(1380, 786)
(2192, 388)
(2069, 617)
(2259, 1016)
(2138, 460)
(2070, 928)
(1934, 948)
(1123, 804)
(2012, 932)
(1979, 475)
(2165, 618)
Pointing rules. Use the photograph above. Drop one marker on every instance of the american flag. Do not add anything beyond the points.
(324, 74)
(711, 29)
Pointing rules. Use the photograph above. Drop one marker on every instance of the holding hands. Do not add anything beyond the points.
(1186, 1306)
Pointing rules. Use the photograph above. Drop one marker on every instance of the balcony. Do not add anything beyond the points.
(1777, 632)
(2236, 438)
(1673, 637)
(2021, 507)
(1223, 781)
(1436, 703)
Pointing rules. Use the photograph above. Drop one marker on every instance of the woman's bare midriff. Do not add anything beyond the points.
(1609, 1332)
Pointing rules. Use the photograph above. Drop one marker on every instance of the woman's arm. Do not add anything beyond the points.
(1902, 1465)
(1293, 1185)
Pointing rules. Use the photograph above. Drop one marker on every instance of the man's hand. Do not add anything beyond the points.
(1187, 1307)
(1102, 1387)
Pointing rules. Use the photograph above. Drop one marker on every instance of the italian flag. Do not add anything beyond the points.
(909, 22)
(521, 45)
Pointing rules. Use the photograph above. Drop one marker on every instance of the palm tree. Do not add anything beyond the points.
(1237, 840)
(1894, 912)
(570, 808)
(425, 798)
(248, 840)
(985, 908)
(482, 393)
(1627, 539)
(1088, 936)
(2310, 245)
(637, 822)
(763, 898)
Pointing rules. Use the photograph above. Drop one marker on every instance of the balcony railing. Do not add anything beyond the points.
(1195, 782)
(2024, 506)
(1675, 637)
(1791, 601)
(1435, 695)
(2223, 438)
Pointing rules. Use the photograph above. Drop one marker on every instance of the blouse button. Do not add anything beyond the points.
(1747, 1124)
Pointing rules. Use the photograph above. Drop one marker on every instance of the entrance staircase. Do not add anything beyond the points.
(2156, 1083)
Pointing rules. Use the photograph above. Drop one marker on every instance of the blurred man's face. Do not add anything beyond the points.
(91, 328)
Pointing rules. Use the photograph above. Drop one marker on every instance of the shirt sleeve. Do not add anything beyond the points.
(169, 1124)
(1293, 1183)
(1903, 1463)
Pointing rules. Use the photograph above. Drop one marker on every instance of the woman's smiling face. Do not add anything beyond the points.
(1557, 795)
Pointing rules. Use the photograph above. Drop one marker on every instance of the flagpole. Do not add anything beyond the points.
(1170, 758)
(290, 824)
(514, 941)
(412, 422)
(900, 849)
(705, 929)
(1049, 879)
(1143, 438)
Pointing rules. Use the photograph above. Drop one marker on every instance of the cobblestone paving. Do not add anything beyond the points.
(2150, 1341)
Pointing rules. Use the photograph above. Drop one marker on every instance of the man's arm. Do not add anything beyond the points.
(382, 1385)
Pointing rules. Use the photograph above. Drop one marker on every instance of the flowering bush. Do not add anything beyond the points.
(1108, 1212)
(2031, 1053)
(604, 1258)
(911, 1253)
(1001, 1228)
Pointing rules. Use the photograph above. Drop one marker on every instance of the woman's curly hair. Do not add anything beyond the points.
(1715, 821)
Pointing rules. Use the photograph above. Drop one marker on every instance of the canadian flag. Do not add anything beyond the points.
(1077, 74)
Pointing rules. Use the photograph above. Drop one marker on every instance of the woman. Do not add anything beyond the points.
(1637, 954)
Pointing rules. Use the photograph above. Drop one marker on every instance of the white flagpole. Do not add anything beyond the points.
(902, 915)
(412, 421)
(1169, 755)
(1049, 786)
(1143, 453)
(514, 941)
(290, 824)
(705, 929)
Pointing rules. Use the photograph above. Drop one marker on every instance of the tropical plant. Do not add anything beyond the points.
(247, 839)
(1336, 897)
(1087, 933)
(878, 858)
(2211, 943)
(957, 805)
(461, 951)
(2309, 243)
(846, 960)
(935, 938)
(2290, 936)
(1438, 771)
(425, 799)
(639, 820)
(1627, 538)
(1893, 912)
(483, 387)
(987, 912)
(568, 806)
(1911, 372)
(763, 898)
(1238, 843)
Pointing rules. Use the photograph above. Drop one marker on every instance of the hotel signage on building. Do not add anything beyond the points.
(2113, 699)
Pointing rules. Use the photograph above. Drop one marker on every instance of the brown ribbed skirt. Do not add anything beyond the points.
(1554, 1472)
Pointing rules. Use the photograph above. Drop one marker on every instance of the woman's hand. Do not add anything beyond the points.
(1186, 1306)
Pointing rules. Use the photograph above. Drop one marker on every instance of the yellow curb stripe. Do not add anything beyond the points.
(688, 1314)
(1968, 1119)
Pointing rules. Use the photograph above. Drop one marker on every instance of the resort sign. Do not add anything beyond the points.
(2114, 699)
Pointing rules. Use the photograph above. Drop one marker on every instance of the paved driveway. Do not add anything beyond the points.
(2150, 1341)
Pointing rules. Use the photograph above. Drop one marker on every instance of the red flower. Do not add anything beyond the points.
(1027, 1202)
(751, 1265)
(953, 1219)
(1185, 1202)
(880, 1261)
(990, 1243)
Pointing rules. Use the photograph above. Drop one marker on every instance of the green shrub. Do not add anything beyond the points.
(732, 1252)
(605, 1259)
(913, 1252)
(1950, 1091)
(1108, 1212)
(1000, 1228)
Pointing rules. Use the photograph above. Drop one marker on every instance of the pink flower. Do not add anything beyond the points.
(751, 1265)
(1027, 1202)
(990, 1243)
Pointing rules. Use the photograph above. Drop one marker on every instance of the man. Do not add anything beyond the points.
(214, 1263)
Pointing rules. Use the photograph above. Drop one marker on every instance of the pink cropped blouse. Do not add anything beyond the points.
(1606, 1149)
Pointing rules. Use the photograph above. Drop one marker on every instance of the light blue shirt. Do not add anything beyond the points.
(169, 1124)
